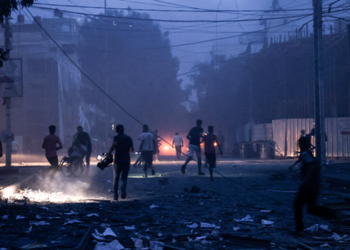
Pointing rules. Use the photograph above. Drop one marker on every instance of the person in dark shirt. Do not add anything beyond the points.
(194, 136)
(123, 146)
(210, 142)
(85, 140)
(309, 188)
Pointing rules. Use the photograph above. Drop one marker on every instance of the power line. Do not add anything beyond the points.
(197, 10)
(175, 21)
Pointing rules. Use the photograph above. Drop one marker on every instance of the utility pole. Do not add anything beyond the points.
(319, 84)
(106, 71)
(7, 100)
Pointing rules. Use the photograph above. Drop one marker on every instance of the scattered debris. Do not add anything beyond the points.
(247, 218)
(267, 222)
(129, 227)
(153, 206)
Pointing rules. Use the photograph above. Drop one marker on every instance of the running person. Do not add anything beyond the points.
(209, 149)
(50, 146)
(194, 136)
(123, 146)
(148, 148)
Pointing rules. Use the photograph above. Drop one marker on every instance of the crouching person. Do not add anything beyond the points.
(122, 144)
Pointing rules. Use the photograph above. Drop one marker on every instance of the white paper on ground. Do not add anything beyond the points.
(236, 229)
(200, 238)
(325, 228)
(109, 232)
(153, 206)
(97, 236)
(71, 213)
(265, 211)
(313, 229)
(93, 214)
(247, 218)
(114, 245)
(194, 225)
(208, 225)
(39, 223)
(129, 227)
(267, 222)
(336, 236)
(72, 221)
(20, 217)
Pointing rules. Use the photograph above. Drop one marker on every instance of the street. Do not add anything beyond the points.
(250, 199)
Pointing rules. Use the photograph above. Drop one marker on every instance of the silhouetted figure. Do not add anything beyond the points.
(194, 136)
(156, 138)
(15, 147)
(76, 152)
(179, 143)
(210, 142)
(50, 146)
(309, 137)
(221, 140)
(148, 147)
(85, 140)
(309, 188)
(122, 145)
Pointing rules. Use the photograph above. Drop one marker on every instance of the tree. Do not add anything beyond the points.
(143, 79)
(6, 8)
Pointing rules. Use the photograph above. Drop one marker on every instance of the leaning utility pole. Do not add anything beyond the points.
(319, 84)
(7, 100)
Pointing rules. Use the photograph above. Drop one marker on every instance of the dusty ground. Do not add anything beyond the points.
(246, 188)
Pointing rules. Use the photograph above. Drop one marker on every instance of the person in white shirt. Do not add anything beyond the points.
(179, 143)
(148, 148)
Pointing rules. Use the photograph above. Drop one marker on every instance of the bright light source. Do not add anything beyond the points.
(215, 144)
(166, 147)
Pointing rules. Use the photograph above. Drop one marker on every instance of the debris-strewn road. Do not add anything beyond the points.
(251, 207)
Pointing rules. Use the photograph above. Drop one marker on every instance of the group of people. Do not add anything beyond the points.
(81, 147)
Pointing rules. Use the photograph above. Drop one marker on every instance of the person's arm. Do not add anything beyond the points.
(173, 143)
(59, 144)
(112, 148)
(189, 135)
(182, 142)
(218, 144)
(44, 144)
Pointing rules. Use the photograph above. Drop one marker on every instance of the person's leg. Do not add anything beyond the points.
(299, 202)
(189, 158)
(145, 163)
(151, 166)
(199, 158)
(178, 152)
(125, 173)
(319, 211)
(54, 164)
(116, 172)
(88, 155)
(211, 159)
